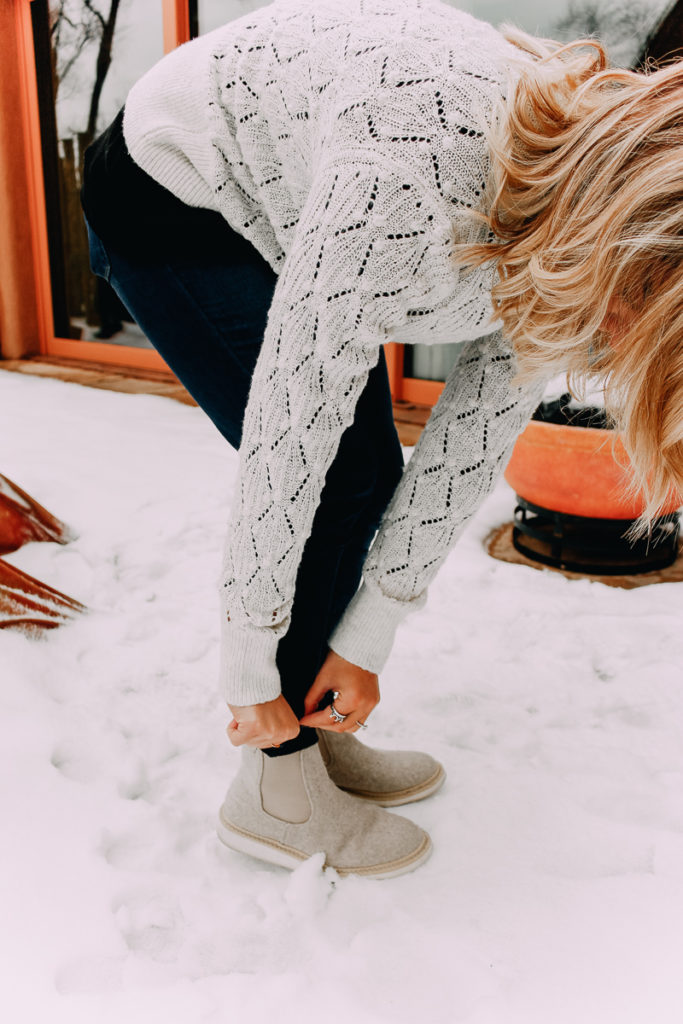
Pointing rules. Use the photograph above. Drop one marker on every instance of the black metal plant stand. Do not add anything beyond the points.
(594, 546)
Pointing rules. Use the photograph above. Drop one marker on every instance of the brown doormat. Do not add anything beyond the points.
(499, 545)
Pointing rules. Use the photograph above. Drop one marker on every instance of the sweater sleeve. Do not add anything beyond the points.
(463, 449)
(369, 259)
(322, 339)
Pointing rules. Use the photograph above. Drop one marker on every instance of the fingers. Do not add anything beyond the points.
(233, 734)
(262, 725)
(351, 723)
(315, 695)
(355, 703)
(246, 733)
(323, 719)
(317, 720)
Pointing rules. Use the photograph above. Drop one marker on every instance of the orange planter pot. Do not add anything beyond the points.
(574, 470)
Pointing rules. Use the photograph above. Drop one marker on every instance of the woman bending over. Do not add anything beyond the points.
(278, 199)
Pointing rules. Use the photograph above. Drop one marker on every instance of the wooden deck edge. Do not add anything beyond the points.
(409, 417)
(131, 380)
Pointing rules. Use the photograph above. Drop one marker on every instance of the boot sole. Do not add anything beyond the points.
(270, 850)
(402, 796)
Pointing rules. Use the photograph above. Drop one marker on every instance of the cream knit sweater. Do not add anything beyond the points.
(343, 138)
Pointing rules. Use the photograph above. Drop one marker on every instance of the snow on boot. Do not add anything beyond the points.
(356, 837)
(386, 777)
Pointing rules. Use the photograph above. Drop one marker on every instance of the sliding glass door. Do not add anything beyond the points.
(82, 58)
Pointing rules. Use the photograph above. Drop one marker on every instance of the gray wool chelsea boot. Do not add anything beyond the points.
(385, 777)
(355, 836)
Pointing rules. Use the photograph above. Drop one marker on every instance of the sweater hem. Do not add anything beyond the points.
(365, 634)
(248, 671)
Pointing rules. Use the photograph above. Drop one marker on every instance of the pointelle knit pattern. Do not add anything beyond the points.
(345, 139)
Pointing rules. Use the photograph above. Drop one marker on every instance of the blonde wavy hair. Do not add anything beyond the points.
(587, 219)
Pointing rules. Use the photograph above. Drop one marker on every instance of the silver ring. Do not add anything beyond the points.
(337, 715)
(361, 724)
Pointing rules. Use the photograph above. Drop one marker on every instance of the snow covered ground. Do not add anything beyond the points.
(555, 890)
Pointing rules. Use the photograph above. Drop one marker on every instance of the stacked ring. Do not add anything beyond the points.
(337, 715)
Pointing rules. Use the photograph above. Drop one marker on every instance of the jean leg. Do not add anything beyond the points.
(358, 487)
(208, 321)
(379, 415)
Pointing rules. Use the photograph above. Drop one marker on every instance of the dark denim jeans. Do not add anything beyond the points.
(207, 319)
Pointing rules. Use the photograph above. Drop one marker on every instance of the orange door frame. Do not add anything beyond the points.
(176, 30)
(176, 22)
(34, 165)
(422, 392)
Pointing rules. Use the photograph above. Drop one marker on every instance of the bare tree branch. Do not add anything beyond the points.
(77, 25)
(65, 68)
(56, 19)
(622, 25)
(93, 10)
(102, 67)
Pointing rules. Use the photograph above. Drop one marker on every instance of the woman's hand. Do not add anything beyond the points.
(263, 725)
(358, 695)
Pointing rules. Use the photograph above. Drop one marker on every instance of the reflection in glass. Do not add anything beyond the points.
(214, 13)
(88, 54)
(430, 362)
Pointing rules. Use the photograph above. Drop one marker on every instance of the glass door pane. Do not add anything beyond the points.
(88, 54)
(214, 13)
(430, 362)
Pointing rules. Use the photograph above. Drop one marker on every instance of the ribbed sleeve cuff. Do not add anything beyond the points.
(248, 673)
(365, 634)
